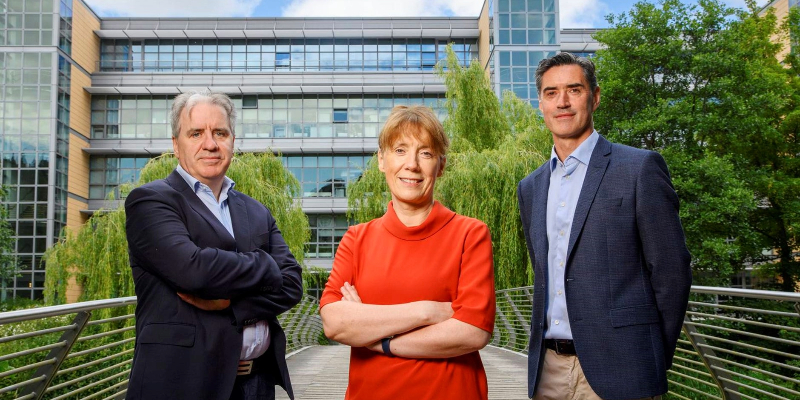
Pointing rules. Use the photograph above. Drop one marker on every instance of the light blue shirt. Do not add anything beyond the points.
(566, 180)
(255, 338)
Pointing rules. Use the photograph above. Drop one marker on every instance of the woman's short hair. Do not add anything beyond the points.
(187, 100)
(414, 120)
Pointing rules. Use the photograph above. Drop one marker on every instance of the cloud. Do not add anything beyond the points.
(372, 8)
(583, 13)
(174, 8)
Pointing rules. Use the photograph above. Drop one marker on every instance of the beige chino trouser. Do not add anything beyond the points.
(563, 379)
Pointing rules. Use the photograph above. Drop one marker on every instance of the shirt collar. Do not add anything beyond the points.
(583, 153)
(195, 184)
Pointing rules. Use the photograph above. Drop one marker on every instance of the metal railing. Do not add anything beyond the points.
(736, 343)
(84, 350)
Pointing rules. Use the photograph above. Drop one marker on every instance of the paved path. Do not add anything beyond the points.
(320, 373)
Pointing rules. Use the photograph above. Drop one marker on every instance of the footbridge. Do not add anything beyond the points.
(736, 344)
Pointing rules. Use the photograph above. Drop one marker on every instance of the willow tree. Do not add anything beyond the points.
(494, 145)
(96, 255)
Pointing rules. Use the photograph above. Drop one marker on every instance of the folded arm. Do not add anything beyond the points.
(160, 243)
(251, 308)
(447, 338)
(450, 338)
(356, 324)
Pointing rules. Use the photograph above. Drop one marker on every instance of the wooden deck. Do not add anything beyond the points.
(320, 373)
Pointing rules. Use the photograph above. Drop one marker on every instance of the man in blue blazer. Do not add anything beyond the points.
(211, 272)
(612, 271)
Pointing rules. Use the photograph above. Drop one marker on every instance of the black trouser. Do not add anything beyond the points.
(256, 386)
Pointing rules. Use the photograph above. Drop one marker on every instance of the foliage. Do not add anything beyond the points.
(8, 262)
(19, 303)
(494, 145)
(715, 203)
(702, 84)
(97, 254)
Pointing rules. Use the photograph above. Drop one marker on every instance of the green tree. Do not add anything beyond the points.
(8, 262)
(97, 254)
(701, 83)
(494, 145)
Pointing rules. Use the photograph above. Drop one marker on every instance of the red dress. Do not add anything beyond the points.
(447, 258)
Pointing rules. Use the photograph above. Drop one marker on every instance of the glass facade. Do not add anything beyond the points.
(525, 32)
(523, 22)
(106, 174)
(229, 55)
(26, 22)
(35, 102)
(61, 154)
(259, 116)
(322, 175)
(327, 231)
(65, 26)
(27, 120)
(326, 175)
(518, 72)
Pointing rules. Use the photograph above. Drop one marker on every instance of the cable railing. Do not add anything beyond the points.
(84, 350)
(735, 343)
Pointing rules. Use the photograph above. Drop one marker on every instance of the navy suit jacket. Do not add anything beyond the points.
(177, 245)
(627, 276)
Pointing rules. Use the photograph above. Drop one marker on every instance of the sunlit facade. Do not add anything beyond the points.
(85, 100)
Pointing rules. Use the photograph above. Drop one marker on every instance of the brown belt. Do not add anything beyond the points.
(561, 346)
(245, 367)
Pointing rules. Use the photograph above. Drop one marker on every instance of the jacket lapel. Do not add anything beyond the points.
(178, 183)
(594, 175)
(240, 220)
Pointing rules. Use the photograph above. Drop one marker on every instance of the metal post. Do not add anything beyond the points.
(59, 354)
(715, 368)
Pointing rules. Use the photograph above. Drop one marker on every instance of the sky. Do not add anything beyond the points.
(574, 13)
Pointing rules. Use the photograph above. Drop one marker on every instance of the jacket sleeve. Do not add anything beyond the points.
(664, 247)
(258, 307)
(159, 242)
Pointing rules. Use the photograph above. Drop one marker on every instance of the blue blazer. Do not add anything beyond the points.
(627, 276)
(177, 245)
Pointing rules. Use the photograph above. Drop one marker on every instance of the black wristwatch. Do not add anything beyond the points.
(386, 347)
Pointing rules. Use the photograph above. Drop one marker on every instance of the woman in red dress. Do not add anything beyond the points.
(412, 292)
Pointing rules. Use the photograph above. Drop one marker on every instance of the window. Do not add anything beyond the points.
(326, 176)
(106, 174)
(250, 101)
(339, 115)
(327, 231)
(268, 54)
(282, 60)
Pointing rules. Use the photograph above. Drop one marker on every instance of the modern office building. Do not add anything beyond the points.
(85, 100)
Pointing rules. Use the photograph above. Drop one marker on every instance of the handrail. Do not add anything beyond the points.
(52, 311)
(84, 350)
(748, 293)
